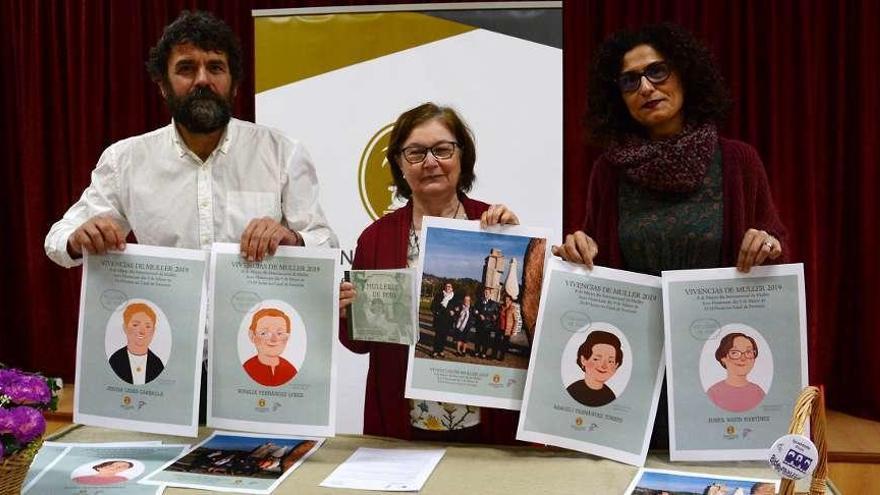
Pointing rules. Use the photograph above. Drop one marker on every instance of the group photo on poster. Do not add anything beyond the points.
(479, 296)
(142, 320)
(662, 481)
(235, 462)
(597, 362)
(271, 366)
(736, 354)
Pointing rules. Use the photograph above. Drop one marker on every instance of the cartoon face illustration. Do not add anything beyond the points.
(139, 325)
(270, 332)
(599, 356)
(740, 356)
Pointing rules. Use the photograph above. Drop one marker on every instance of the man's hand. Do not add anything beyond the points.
(97, 236)
(263, 236)
(578, 248)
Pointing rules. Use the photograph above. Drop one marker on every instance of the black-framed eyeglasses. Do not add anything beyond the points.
(656, 72)
(417, 154)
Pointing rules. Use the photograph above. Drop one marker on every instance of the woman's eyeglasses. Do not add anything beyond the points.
(736, 354)
(656, 72)
(441, 151)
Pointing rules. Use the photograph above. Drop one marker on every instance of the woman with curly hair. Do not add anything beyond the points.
(668, 192)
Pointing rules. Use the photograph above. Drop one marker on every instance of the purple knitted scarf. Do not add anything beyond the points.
(677, 164)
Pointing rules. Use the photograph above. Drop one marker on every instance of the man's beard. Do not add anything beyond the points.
(200, 112)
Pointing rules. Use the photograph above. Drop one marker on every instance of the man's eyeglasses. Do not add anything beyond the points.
(736, 354)
(441, 151)
(656, 72)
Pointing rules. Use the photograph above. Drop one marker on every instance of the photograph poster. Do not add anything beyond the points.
(736, 353)
(271, 365)
(385, 309)
(661, 481)
(140, 340)
(98, 469)
(236, 462)
(479, 293)
(597, 362)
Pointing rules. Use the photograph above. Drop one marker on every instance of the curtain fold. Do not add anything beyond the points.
(803, 74)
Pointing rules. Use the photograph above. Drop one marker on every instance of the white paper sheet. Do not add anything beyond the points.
(394, 470)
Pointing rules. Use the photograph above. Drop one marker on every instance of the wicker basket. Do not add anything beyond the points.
(15, 467)
(810, 407)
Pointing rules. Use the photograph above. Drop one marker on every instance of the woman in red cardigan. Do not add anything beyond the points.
(432, 155)
(668, 193)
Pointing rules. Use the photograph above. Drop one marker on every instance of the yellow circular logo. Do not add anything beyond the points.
(375, 183)
(731, 429)
(126, 400)
(496, 378)
(579, 421)
(261, 402)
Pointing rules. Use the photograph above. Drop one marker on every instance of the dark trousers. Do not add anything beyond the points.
(482, 341)
(203, 395)
(440, 332)
(501, 344)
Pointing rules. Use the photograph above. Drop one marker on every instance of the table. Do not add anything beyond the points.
(465, 469)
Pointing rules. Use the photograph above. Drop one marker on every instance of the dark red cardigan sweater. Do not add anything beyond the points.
(746, 198)
(383, 245)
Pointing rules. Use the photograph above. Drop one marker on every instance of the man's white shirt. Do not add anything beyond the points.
(154, 185)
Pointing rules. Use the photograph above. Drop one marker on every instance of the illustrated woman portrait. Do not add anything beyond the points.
(106, 473)
(736, 353)
(136, 363)
(269, 331)
(599, 357)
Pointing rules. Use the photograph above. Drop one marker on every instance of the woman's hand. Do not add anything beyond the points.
(578, 248)
(757, 246)
(498, 215)
(347, 294)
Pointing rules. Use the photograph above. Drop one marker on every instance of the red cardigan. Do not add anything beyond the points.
(383, 245)
(746, 197)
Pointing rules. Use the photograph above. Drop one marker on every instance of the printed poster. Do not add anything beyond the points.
(597, 363)
(236, 462)
(271, 354)
(99, 469)
(736, 348)
(479, 296)
(384, 310)
(660, 481)
(140, 340)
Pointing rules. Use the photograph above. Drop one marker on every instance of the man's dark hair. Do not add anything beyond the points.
(203, 30)
(705, 94)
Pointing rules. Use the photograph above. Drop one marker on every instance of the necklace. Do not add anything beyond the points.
(413, 249)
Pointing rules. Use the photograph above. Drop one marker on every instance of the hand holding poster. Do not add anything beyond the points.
(736, 350)
(271, 354)
(597, 363)
(385, 309)
(140, 340)
(479, 296)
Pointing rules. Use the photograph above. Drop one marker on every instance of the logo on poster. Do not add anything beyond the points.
(579, 421)
(730, 432)
(261, 403)
(496, 378)
(375, 183)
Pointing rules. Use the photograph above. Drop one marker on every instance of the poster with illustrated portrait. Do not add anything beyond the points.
(736, 351)
(94, 469)
(140, 340)
(384, 310)
(597, 362)
(479, 293)
(236, 462)
(273, 323)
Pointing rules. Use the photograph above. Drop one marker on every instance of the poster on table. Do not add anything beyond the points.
(51, 452)
(272, 328)
(140, 340)
(736, 353)
(659, 481)
(597, 362)
(236, 462)
(385, 309)
(480, 291)
(91, 469)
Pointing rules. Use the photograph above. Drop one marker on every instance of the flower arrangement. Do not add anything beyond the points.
(23, 398)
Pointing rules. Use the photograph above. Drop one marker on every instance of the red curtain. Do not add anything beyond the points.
(803, 74)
